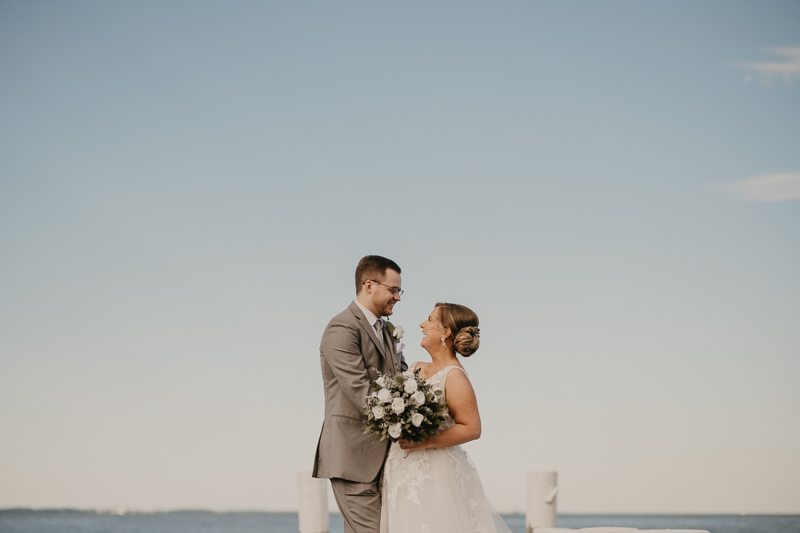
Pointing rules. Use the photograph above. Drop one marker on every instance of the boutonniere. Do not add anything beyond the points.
(396, 333)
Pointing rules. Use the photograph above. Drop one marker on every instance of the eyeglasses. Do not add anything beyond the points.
(394, 290)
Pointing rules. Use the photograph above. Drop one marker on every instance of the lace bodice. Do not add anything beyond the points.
(437, 381)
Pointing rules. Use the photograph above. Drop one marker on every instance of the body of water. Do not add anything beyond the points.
(72, 521)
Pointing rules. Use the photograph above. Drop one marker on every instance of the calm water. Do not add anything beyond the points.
(26, 521)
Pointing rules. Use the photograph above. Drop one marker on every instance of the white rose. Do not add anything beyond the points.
(398, 405)
(384, 395)
(380, 381)
(399, 347)
(410, 386)
(398, 332)
(378, 411)
(418, 397)
(417, 419)
(395, 430)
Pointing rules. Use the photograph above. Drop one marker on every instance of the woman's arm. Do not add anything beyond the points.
(463, 408)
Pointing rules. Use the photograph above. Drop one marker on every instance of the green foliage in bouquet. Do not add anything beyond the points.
(403, 406)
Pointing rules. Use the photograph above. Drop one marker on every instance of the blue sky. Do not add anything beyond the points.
(614, 188)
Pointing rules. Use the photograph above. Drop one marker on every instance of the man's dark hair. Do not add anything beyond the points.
(373, 267)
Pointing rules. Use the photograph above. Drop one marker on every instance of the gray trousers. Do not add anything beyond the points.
(359, 503)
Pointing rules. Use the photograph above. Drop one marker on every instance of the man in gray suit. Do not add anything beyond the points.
(355, 346)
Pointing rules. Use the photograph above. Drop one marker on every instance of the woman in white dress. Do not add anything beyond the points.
(436, 489)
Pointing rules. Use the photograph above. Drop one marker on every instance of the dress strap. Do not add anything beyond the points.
(447, 370)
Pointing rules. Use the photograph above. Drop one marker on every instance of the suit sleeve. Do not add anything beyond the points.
(342, 351)
(403, 364)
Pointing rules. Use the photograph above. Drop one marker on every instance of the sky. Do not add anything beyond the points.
(187, 187)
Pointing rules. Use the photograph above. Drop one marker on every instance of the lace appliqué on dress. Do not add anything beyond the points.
(409, 472)
(436, 490)
(466, 476)
(405, 473)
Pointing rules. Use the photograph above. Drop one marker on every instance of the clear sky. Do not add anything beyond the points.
(186, 188)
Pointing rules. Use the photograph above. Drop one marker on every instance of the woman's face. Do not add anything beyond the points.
(431, 334)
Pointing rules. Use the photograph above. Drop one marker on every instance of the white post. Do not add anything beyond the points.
(312, 503)
(541, 508)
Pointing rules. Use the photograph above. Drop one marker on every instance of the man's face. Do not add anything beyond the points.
(383, 294)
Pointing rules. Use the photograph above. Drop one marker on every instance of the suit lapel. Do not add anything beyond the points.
(362, 321)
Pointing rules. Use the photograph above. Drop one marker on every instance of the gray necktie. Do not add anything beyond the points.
(379, 326)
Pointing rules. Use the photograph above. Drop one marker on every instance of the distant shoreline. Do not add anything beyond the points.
(121, 511)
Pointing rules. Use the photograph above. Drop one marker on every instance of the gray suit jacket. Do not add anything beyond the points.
(351, 355)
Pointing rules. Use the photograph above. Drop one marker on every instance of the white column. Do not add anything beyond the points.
(312, 503)
(541, 508)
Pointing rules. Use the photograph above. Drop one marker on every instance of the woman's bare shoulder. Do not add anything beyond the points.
(459, 381)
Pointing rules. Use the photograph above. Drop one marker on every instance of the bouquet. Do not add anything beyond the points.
(403, 406)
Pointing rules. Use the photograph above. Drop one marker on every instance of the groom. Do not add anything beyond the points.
(355, 346)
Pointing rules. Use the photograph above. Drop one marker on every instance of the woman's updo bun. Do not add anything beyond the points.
(467, 341)
(463, 325)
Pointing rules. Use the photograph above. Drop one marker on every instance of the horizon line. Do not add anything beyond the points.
(119, 511)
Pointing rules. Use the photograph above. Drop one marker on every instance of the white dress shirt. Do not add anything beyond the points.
(371, 318)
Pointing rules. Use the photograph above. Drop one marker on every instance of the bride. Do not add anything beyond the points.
(436, 488)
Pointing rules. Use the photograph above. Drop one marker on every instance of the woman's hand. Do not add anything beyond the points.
(408, 446)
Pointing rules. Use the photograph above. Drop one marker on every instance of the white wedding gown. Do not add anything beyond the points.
(436, 490)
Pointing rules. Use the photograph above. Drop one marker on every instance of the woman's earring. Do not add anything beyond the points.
(443, 344)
